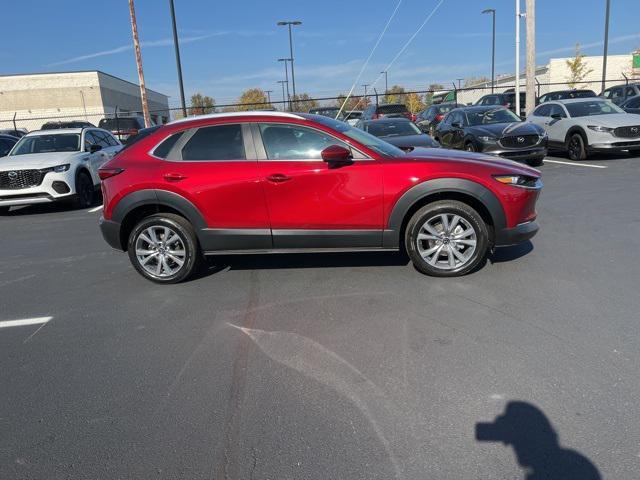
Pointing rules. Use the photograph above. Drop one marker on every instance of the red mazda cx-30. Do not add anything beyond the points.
(278, 182)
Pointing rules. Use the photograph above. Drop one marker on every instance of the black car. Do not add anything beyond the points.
(386, 110)
(632, 105)
(565, 94)
(330, 112)
(400, 132)
(18, 133)
(428, 119)
(67, 124)
(6, 144)
(621, 93)
(122, 127)
(506, 99)
(495, 130)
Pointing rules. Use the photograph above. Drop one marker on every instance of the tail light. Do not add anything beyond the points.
(438, 117)
(376, 116)
(105, 173)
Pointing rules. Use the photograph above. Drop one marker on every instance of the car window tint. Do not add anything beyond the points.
(101, 139)
(543, 111)
(288, 142)
(629, 92)
(162, 150)
(220, 142)
(634, 103)
(89, 140)
(557, 110)
(617, 93)
(5, 146)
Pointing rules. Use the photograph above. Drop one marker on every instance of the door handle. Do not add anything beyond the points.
(174, 177)
(278, 178)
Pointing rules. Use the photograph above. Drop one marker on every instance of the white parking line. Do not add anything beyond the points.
(575, 164)
(97, 209)
(24, 321)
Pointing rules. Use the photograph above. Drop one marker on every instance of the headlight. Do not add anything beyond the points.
(487, 139)
(523, 181)
(598, 128)
(57, 168)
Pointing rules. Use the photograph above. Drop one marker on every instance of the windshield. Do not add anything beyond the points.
(392, 129)
(595, 107)
(65, 142)
(360, 136)
(489, 117)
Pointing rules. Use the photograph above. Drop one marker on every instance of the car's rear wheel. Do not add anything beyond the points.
(470, 147)
(84, 191)
(576, 147)
(536, 162)
(447, 238)
(164, 248)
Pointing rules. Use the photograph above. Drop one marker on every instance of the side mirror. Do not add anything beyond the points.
(556, 116)
(94, 148)
(456, 125)
(336, 154)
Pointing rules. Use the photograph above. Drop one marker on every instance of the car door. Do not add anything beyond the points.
(617, 95)
(312, 203)
(557, 127)
(457, 130)
(215, 168)
(93, 160)
(541, 115)
(444, 131)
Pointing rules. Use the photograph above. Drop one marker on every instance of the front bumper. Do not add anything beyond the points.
(518, 234)
(615, 146)
(530, 153)
(43, 193)
(111, 233)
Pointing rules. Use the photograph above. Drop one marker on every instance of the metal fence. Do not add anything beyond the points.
(30, 120)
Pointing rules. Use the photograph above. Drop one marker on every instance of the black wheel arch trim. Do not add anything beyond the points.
(436, 186)
(577, 129)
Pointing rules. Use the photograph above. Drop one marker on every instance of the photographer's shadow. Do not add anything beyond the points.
(525, 428)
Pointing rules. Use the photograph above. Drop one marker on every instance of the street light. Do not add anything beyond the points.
(286, 77)
(293, 75)
(606, 46)
(386, 85)
(492, 11)
(284, 99)
(177, 48)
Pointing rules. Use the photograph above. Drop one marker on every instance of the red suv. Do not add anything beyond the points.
(271, 182)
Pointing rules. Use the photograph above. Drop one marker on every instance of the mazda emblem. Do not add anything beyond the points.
(13, 175)
(520, 139)
(634, 129)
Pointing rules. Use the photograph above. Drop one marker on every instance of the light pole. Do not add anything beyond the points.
(293, 75)
(177, 48)
(459, 80)
(365, 85)
(517, 89)
(284, 99)
(286, 77)
(268, 92)
(492, 11)
(606, 45)
(386, 83)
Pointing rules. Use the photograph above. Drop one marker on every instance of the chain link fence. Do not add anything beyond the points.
(415, 100)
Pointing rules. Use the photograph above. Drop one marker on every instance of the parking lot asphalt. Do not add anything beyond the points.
(329, 366)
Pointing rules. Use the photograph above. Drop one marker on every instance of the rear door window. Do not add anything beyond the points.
(163, 150)
(220, 142)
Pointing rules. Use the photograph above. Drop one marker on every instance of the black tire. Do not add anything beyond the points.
(432, 211)
(576, 147)
(470, 147)
(85, 191)
(186, 235)
(536, 162)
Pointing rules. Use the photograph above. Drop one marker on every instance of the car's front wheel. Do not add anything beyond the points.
(164, 248)
(447, 238)
(84, 191)
(576, 147)
(470, 147)
(536, 162)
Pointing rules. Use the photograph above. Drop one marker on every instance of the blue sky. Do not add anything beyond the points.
(228, 46)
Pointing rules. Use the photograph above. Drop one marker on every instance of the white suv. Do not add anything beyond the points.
(585, 125)
(52, 165)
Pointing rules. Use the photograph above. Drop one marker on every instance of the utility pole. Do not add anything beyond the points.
(293, 75)
(386, 83)
(530, 97)
(459, 80)
(606, 45)
(517, 89)
(492, 11)
(365, 85)
(284, 99)
(286, 78)
(136, 47)
(268, 92)
(178, 64)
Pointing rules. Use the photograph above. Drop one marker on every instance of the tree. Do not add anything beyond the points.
(578, 69)
(303, 102)
(201, 104)
(253, 99)
(395, 95)
(433, 88)
(414, 102)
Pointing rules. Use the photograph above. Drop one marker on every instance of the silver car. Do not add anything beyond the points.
(585, 125)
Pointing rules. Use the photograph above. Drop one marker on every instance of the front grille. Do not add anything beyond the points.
(519, 141)
(17, 179)
(627, 132)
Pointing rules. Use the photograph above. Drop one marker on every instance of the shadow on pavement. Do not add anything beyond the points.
(508, 254)
(529, 432)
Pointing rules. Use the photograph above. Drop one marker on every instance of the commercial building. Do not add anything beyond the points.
(33, 99)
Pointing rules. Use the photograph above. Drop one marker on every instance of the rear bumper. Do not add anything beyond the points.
(518, 234)
(111, 233)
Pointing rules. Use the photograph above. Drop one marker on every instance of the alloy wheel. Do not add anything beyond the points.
(447, 241)
(160, 251)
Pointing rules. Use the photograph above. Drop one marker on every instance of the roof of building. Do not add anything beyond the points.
(79, 71)
(261, 113)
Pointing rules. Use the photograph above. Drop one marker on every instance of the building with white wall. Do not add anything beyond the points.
(88, 95)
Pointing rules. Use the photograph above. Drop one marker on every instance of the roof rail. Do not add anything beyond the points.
(261, 113)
